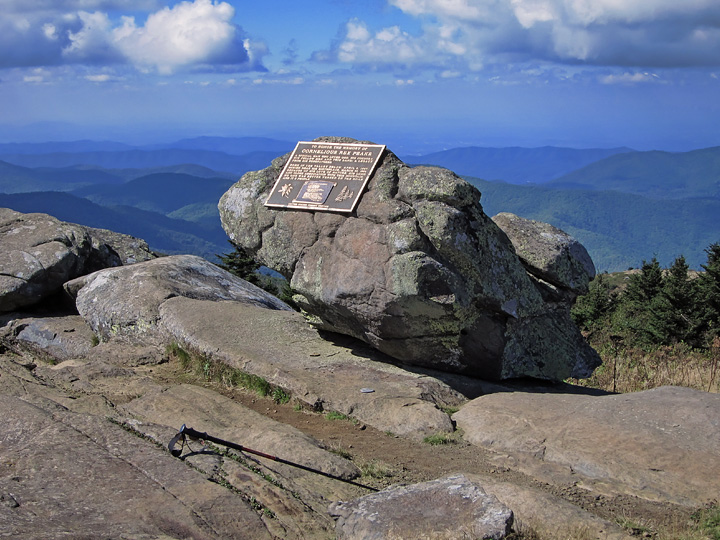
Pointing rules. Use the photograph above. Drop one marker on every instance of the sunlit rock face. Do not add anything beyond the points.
(417, 271)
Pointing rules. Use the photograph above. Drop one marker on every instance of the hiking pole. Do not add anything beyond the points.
(192, 433)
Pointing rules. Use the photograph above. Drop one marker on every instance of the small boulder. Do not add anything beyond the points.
(549, 254)
(449, 508)
(125, 301)
(418, 271)
(110, 249)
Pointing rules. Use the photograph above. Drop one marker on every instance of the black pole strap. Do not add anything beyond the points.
(190, 432)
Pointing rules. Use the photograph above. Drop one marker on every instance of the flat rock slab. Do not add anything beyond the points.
(73, 397)
(661, 444)
(77, 476)
(297, 498)
(449, 508)
(549, 516)
(280, 347)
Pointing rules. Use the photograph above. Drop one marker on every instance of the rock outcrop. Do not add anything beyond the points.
(418, 271)
(86, 422)
(38, 253)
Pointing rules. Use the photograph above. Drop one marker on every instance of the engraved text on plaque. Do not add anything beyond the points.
(325, 176)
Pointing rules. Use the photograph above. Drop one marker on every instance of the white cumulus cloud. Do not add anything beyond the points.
(189, 35)
(474, 33)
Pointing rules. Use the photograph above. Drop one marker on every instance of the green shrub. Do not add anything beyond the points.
(280, 396)
(334, 415)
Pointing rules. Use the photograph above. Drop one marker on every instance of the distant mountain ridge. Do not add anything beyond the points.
(229, 145)
(63, 146)
(615, 201)
(162, 233)
(18, 179)
(141, 159)
(515, 165)
(236, 155)
(664, 175)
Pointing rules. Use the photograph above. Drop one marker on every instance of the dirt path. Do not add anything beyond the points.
(387, 459)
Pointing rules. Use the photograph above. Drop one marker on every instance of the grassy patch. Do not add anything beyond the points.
(635, 369)
(441, 438)
(280, 396)
(212, 370)
(334, 415)
(174, 350)
(707, 521)
(375, 469)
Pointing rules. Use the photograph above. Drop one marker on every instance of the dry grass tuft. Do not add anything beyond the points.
(633, 370)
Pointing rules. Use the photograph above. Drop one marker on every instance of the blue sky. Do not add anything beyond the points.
(413, 74)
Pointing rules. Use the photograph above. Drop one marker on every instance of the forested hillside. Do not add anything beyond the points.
(160, 192)
(619, 230)
(668, 175)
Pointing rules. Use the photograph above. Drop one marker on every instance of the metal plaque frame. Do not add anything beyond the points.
(325, 176)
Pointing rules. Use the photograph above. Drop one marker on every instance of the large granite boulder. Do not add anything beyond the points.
(418, 271)
(38, 253)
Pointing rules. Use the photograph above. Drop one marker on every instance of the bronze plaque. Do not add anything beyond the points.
(325, 176)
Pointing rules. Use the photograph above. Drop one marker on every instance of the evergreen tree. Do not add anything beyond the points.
(672, 317)
(634, 318)
(240, 263)
(646, 285)
(709, 294)
(592, 308)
